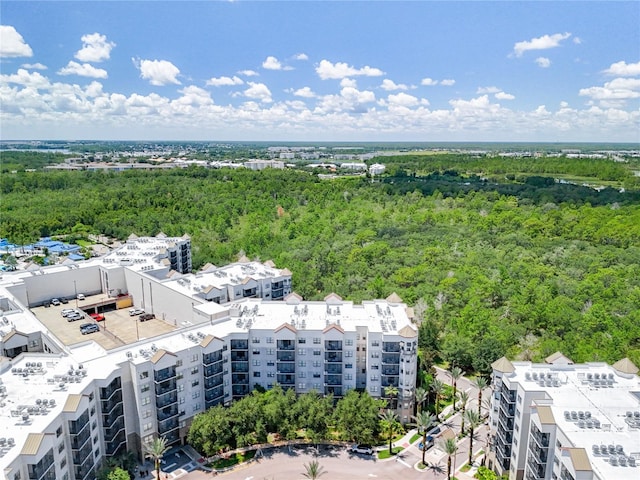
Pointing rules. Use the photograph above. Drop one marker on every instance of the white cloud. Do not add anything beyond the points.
(95, 48)
(28, 79)
(614, 93)
(504, 96)
(483, 90)
(543, 62)
(390, 85)
(224, 81)
(258, 91)
(403, 99)
(577, 40)
(158, 72)
(83, 70)
(305, 92)
(248, 73)
(429, 82)
(34, 66)
(301, 56)
(348, 82)
(448, 82)
(192, 96)
(623, 69)
(12, 44)
(272, 63)
(541, 43)
(327, 70)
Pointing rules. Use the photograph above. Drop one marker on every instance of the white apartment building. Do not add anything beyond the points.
(560, 420)
(68, 401)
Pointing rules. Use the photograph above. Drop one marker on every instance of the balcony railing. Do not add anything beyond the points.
(333, 368)
(240, 367)
(210, 382)
(286, 356)
(167, 399)
(113, 430)
(508, 396)
(286, 345)
(335, 357)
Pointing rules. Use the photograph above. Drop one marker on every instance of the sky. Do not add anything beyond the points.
(320, 71)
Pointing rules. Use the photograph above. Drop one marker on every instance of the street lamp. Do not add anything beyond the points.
(75, 289)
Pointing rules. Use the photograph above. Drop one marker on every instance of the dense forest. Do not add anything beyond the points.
(496, 256)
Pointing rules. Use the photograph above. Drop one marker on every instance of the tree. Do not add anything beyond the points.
(210, 431)
(463, 398)
(455, 375)
(450, 447)
(391, 392)
(474, 421)
(437, 387)
(356, 416)
(314, 470)
(424, 421)
(421, 396)
(11, 263)
(118, 474)
(155, 451)
(480, 383)
(389, 421)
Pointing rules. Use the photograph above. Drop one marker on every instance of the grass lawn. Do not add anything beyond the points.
(415, 437)
(465, 468)
(233, 460)
(385, 453)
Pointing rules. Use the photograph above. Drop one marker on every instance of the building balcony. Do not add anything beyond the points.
(391, 347)
(111, 416)
(390, 381)
(211, 382)
(166, 399)
(112, 447)
(507, 409)
(286, 345)
(507, 423)
(239, 344)
(333, 368)
(113, 430)
(286, 367)
(286, 379)
(164, 374)
(214, 393)
(166, 388)
(213, 369)
(286, 356)
(213, 357)
(168, 425)
(167, 412)
(335, 391)
(332, 345)
(77, 441)
(239, 367)
(508, 396)
(333, 380)
(390, 370)
(108, 393)
(333, 357)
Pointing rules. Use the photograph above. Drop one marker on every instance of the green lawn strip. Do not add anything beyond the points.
(415, 437)
(385, 453)
(233, 460)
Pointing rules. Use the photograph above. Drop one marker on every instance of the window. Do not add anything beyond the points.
(146, 401)
(255, 362)
(271, 374)
(179, 363)
(195, 383)
(519, 399)
(374, 388)
(375, 354)
(375, 366)
(61, 447)
(181, 387)
(302, 386)
(194, 358)
(94, 424)
(375, 343)
(255, 340)
(181, 400)
(144, 375)
(255, 351)
(302, 340)
(63, 463)
(194, 370)
(183, 423)
(91, 397)
(348, 353)
(148, 439)
(348, 376)
(348, 342)
(349, 365)
(144, 388)
(93, 411)
(302, 375)
(302, 351)
(317, 363)
(95, 439)
(256, 374)
(374, 378)
(195, 394)
(34, 343)
(16, 476)
(96, 453)
(271, 351)
(271, 363)
(316, 341)
(302, 363)
(59, 431)
(146, 414)
(147, 426)
(317, 352)
(269, 339)
(196, 407)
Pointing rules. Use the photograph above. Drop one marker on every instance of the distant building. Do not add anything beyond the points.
(358, 167)
(377, 169)
(262, 164)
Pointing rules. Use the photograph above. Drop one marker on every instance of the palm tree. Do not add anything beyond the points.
(455, 374)
(450, 447)
(314, 470)
(463, 398)
(391, 392)
(480, 383)
(474, 421)
(389, 420)
(424, 421)
(156, 450)
(421, 395)
(437, 387)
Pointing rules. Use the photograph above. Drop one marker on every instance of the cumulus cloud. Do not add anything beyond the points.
(224, 81)
(28, 79)
(305, 92)
(95, 48)
(577, 40)
(540, 43)
(614, 93)
(327, 70)
(34, 66)
(543, 62)
(348, 82)
(448, 82)
(12, 44)
(193, 96)
(248, 73)
(504, 96)
(429, 82)
(483, 90)
(258, 91)
(390, 85)
(158, 72)
(272, 63)
(623, 69)
(300, 56)
(83, 70)
(403, 99)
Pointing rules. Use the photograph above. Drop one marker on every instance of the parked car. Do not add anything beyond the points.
(87, 328)
(64, 300)
(75, 316)
(55, 301)
(146, 316)
(135, 311)
(80, 296)
(67, 311)
(361, 448)
(98, 317)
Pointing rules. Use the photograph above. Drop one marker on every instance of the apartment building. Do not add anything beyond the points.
(560, 420)
(68, 401)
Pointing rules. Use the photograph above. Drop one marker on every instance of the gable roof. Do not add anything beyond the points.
(545, 414)
(579, 459)
(287, 326)
(332, 298)
(394, 298)
(558, 357)
(72, 403)
(293, 299)
(243, 259)
(208, 339)
(407, 332)
(331, 327)
(269, 263)
(32, 444)
(12, 333)
(159, 354)
(503, 365)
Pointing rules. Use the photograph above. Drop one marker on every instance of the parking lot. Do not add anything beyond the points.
(117, 328)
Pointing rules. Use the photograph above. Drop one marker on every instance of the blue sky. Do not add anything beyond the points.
(320, 71)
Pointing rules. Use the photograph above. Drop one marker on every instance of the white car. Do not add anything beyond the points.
(80, 296)
(135, 311)
(55, 302)
(361, 448)
(67, 311)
